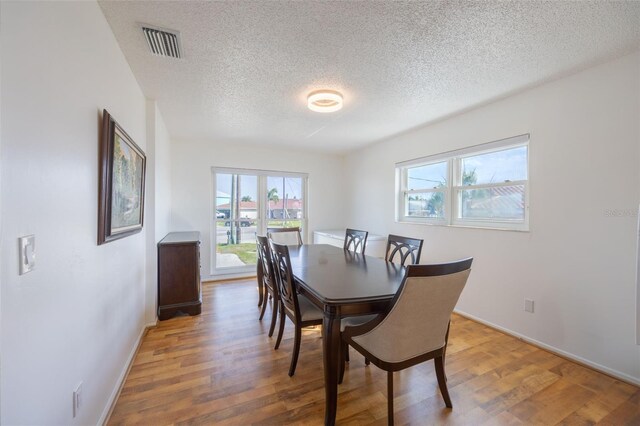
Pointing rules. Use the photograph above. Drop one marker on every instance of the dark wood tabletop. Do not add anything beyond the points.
(342, 284)
(337, 276)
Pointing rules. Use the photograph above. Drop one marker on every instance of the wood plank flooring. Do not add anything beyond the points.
(220, 368)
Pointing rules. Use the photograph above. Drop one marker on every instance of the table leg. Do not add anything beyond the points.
(331, 349)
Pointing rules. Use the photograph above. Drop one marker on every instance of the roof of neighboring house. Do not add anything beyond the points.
(244, 205)
(292, 204)
(503, 198)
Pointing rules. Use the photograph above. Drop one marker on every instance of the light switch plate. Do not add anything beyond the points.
(27, 253)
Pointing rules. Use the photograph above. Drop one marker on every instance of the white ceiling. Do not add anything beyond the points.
(248, 65)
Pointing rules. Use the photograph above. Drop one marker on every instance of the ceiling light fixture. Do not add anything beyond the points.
(324, 101)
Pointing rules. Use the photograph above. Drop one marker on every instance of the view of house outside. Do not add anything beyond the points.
(486, 175)
(238, 217)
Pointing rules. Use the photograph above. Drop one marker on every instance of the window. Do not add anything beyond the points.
(427, 190)
(482, 186)
(246, 202)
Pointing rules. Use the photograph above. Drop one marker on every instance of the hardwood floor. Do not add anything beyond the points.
(220, 367)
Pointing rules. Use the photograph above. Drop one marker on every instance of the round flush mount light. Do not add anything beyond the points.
(324, 101)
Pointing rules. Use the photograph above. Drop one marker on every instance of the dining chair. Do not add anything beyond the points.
(286, 236)
(268, 281)
(403, 248)
(355, 240)
(415, 326)
(296, 307)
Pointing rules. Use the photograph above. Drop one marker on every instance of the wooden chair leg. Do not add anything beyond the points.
(259, 277)
(274, 317)
(443, 359)
(281, 328)
(442, 381)
(263, 308)
(344, 350)
(390, 398)
(296, 350)
(366, 361)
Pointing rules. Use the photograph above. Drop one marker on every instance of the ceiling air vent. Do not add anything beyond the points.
(162, 42)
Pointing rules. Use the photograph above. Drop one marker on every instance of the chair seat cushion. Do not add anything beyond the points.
(353, 321)
(308, 311)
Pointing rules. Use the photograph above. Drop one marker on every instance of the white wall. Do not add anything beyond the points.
(158, 202)
(577, 262)
(162, 179)
(78, 316)
(192, 184)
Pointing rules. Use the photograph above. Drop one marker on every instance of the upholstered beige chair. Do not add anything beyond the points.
(403, 249)
(269, 284)
(415, 328)
(355, 240)
(286, 236)
(298, 308)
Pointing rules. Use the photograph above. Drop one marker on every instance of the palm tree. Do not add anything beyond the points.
(246, 198)
(272, 195)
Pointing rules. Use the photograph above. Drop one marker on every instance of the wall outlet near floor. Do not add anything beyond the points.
(77, 400)
(528, 305)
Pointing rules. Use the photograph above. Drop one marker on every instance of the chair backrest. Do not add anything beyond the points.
(417, 321)
(286, 236)
(355, 240)
(266, 263)
(284, 278)
(404, 248)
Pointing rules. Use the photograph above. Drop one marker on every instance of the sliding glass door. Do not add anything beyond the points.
(246, 203)
(285, 202)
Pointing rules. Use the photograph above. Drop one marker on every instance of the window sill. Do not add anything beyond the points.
(449, 225)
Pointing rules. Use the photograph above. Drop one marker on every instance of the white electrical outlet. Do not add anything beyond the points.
(528, 305)
(77, 399)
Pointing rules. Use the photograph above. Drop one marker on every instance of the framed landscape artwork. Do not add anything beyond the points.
(121, 183)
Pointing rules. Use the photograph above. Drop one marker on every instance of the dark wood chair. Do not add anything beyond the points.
(415, 326)
(298, 308)
(269, 284)
(355, 240)
(404, 249)
(286, 236)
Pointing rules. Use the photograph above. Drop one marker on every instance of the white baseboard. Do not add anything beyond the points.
(113, 398)
(225, 277)
(601, 368)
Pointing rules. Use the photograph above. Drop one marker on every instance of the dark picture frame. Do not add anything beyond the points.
(121, 183)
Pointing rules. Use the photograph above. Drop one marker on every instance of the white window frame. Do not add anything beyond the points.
(261, 213)
(454, 187)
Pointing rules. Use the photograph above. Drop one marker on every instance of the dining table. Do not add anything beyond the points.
(342, 284)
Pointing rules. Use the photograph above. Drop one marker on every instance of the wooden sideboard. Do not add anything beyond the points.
(179, 275)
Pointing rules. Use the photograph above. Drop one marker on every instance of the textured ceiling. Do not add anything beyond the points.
(249, 65)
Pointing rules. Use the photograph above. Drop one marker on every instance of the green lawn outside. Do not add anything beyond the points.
(245, 251)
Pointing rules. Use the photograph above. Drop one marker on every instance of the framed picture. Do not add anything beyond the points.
(121, 183)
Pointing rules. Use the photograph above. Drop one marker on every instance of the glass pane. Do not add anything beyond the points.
(235, 217)
(500, 166)
(505, 202)
(429, 176)
(285, 206)
(425, 205)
